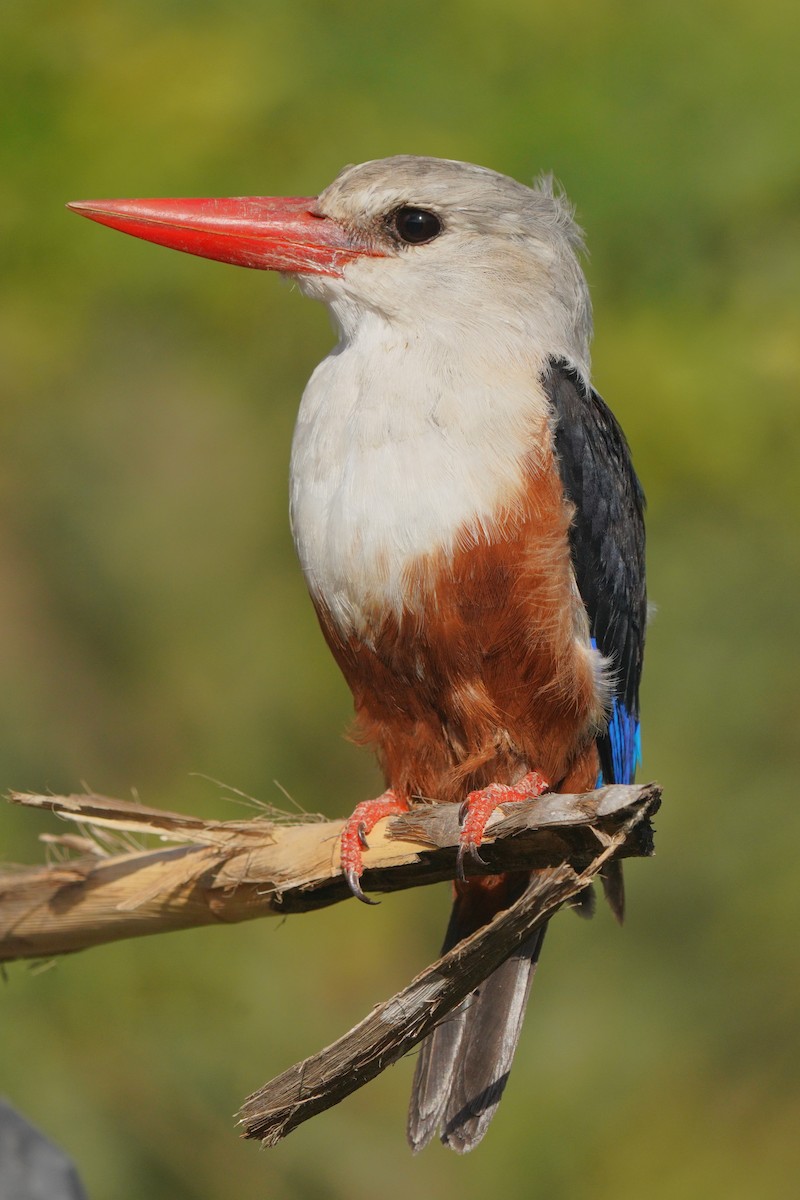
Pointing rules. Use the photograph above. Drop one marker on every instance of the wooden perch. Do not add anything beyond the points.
(225, 871)
(220, 872)
(394, 1027)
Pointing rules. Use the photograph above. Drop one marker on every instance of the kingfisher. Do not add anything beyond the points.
(468, 521)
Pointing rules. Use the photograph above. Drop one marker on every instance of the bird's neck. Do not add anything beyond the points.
(406, 447)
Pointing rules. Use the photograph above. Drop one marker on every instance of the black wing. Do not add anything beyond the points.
(607, 541)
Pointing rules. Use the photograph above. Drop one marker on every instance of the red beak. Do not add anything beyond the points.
(271, 234)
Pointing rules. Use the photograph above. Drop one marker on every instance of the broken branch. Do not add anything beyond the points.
(394, 1027)
(219, 872)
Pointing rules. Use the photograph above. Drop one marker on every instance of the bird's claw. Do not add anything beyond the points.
(475, 811)
(354, 883)
(464, 849)
(354, 837)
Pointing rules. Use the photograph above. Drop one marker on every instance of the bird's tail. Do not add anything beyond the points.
(463, 1065)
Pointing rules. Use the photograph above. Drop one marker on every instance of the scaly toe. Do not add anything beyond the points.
(354, 837)
(475, 811)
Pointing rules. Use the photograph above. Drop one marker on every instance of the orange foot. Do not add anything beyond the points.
(354, 836)
(479, 806)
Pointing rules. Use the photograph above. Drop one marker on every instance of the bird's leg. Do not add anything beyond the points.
(479, 806)
(354, 835)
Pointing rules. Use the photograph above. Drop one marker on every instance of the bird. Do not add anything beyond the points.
(468, 521)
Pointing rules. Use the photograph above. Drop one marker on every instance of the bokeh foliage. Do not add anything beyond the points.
(154, 626)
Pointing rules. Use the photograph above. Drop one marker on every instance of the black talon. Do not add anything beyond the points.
(460, 864)
(474, 853)
(463, 809)
(361, 832)
(464, 849)
(354, 883)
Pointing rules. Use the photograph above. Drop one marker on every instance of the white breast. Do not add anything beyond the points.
(398, 453)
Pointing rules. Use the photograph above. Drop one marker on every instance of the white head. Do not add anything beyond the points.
(456, 245)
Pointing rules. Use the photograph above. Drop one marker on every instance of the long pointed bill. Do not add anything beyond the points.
(268, 233)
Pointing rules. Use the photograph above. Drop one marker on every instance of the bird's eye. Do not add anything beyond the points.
(415, 225)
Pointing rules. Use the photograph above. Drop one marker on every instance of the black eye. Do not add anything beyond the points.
(415, 225)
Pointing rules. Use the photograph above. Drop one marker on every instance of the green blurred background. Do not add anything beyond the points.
(154, 626)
